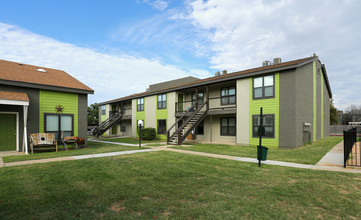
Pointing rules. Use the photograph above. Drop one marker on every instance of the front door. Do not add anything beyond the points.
(7, 132)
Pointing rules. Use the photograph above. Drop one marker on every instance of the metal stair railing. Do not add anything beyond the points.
(180, 137)
(105, 125)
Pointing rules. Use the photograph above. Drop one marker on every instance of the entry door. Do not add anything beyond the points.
(57, 123)
(7, 132)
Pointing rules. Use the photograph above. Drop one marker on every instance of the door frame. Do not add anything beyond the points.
(17, 127)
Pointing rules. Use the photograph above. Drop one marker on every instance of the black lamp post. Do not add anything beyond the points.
(140, 125)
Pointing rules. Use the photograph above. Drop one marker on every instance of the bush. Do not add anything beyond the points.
(148, 134)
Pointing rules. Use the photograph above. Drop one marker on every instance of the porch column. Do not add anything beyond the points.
(25, 139)
(196, 98)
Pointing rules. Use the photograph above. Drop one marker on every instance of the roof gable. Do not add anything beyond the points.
(24, 73)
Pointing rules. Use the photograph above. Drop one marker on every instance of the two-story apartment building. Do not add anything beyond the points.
(295, 97)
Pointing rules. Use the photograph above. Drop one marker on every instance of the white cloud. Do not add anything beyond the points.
(157, 4)
(111, 76)
(243, 33)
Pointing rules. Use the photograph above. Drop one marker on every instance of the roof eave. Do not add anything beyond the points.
(216, 80)
(42, 86)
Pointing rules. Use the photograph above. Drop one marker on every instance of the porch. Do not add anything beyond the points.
(13, 120)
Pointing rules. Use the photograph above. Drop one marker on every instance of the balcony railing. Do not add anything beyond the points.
(215, 103)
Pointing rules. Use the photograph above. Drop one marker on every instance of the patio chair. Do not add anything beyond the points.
(69, 140)
(43, 140)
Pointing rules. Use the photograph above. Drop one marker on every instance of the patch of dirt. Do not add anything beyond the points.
(117, 206)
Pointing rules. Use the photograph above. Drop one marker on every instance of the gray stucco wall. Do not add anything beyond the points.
(33, 113)
(304, 100)
(296, 105)
(326, 110)
(82, 116)
(287, 109)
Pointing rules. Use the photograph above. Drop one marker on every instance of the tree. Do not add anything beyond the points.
(333, 114)
(93, 114)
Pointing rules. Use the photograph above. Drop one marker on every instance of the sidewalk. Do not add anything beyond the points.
(79, 157)
(332, 161)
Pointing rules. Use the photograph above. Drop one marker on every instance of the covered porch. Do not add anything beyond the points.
(13, 121)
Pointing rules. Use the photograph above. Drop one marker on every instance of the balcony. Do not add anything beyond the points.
(217, 106)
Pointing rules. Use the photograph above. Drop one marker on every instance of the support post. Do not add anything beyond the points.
(196, 98)
(260, 132)
(25, 139)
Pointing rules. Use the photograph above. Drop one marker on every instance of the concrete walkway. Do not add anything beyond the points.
(332, 161)
(79, 157)
(116, 143)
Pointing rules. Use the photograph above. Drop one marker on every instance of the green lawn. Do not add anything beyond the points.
(163, 185)
(309, 154)
(130, 140)
(93, 148)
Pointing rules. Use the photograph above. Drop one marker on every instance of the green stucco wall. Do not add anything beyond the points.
(322, 104)
(48, 100)
(103, 117)
(140, 116)
(314, 101)
(162, 114)
(270, 106)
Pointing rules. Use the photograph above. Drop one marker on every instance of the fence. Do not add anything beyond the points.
(352, 151)
(338, 129)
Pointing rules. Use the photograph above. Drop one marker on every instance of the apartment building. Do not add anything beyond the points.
(295, 97)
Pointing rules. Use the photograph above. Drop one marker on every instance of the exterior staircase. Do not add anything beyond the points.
(192, 118)
(105, 125)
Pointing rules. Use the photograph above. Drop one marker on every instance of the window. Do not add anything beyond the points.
(140, 104)
(103, 109)
(162, 126)
(162, 101)
(268, 124)
(228, 95)
(200, 98)
(228, 126)
(200, 128)
(58, 123)
(263, 87)
(122, 126)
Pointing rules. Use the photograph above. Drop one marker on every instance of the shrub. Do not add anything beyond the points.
(148, 134)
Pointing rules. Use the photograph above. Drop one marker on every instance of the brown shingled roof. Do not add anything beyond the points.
(17, 96)
(39, 75)
(221, 77)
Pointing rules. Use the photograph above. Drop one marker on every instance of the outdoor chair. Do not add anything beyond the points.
(43, 140)
(69, 140)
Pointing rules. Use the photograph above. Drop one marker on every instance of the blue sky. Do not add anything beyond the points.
(120, 47)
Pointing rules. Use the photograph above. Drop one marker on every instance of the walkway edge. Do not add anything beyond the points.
(79, 157)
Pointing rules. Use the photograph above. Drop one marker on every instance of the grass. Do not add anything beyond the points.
(309, 154)
(163, 185)
(93, 148)
(130, 140)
